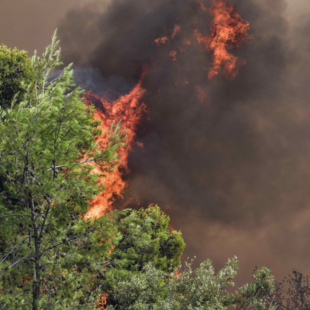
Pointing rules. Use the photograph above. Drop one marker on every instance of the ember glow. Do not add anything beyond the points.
(130, 110)
(176, 30)
(201, 93)
(161, 40)
(103, 300)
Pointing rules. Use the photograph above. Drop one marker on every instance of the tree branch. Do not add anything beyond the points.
(15, 248)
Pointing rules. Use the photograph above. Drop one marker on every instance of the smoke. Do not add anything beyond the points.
(90, 78)
(232, 164)
(29, 24)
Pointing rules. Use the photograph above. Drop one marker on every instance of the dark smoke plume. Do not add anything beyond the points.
(233, 165)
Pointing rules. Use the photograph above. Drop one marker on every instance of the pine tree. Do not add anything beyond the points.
(51, 258)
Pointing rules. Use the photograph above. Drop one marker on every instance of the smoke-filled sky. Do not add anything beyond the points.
(235, 167)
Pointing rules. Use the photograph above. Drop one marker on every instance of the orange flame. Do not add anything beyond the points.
(161, 40)
(130, 110)
(173, 54)
(228, 31)
(103, 300)
(201, 92)
(176, 30)
(171, 228)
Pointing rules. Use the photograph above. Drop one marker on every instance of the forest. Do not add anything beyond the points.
(53, 254)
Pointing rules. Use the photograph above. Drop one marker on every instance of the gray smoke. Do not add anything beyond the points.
(234, 169)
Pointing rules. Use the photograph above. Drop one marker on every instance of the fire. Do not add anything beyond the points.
(173, 54)
(201, 93)
(103, 300)
(161, 40)
(228, 31)
(130, 110)
(171, 228)
(176, 30)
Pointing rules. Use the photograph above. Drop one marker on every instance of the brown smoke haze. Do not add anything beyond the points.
(234, 168)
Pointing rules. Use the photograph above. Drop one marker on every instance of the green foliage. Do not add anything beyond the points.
(15, 67)
(51, 256)
(145, 237)
(184, 289)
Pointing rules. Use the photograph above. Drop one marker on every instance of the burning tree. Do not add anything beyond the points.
(50, 255)
(130, 111)
(56, 253)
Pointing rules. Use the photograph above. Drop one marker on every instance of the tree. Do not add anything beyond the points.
(54, 258)
(50, 256)
(183, 289)
(146, 238)
(297, 295)
(15, 67)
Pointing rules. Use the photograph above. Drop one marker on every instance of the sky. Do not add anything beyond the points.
(234, 169)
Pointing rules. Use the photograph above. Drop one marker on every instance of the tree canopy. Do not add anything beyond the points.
(50, 255)
(185, 289)
(146, 238)
(15, 68)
